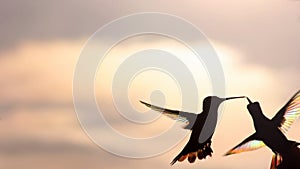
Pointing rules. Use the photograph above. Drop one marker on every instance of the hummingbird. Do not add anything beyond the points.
(199, 144)
(270, 132)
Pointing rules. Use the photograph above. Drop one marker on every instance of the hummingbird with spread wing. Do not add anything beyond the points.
(270, 132)
(196, 146)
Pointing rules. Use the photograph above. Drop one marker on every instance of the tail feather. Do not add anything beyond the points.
(276, 161)
(201, 152)
(182, 158)
(192, 157)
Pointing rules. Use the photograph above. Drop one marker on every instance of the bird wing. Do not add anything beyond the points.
(288, 113)
(185, 117)
(249, 144)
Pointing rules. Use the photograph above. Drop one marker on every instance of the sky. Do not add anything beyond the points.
(256, 41)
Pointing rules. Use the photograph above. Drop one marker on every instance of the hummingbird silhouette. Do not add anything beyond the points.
(197, 146)
(270, 132)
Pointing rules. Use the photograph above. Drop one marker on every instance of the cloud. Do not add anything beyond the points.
(266, 32)
(38, 123)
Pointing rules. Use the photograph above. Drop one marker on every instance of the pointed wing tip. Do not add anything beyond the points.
(173, 162)
(146, 104)
(228, 153)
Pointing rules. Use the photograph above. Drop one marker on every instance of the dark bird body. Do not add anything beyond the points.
(201, 125)
(269, 132)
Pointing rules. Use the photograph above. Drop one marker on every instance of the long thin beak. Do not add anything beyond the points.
(249, 100)
(239, 97)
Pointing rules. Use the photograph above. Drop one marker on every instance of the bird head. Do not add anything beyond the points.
(214, 101)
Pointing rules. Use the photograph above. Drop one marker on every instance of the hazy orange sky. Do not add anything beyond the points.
(257, 43)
